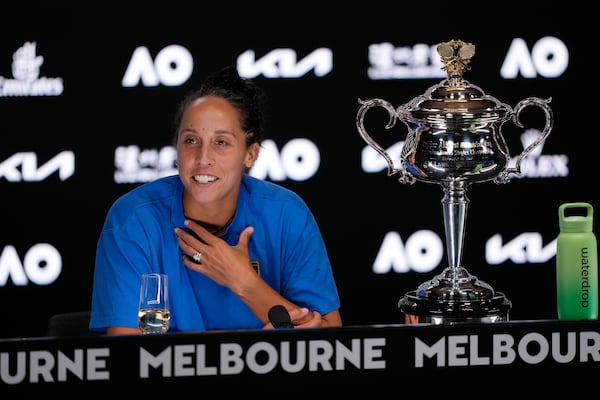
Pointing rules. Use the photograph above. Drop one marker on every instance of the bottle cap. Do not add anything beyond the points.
(579, 219)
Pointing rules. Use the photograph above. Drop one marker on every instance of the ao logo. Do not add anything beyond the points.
(549, 58)
(172, 66)
(41, 265)
(299, 160)
(422, 252)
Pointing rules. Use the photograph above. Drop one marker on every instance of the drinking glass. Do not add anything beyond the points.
(154, 314)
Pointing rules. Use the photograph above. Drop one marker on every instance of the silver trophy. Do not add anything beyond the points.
(454, 139)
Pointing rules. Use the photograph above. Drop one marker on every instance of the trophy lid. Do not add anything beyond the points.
(455, 98)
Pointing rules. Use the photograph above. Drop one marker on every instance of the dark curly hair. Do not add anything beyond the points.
(244, 94)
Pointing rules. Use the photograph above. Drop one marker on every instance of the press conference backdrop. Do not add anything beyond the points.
(87, 116)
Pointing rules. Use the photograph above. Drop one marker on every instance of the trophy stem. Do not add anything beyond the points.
(454, 295)
(455, 204)
(455, 283)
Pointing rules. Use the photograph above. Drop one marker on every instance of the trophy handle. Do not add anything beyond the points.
(365, 106)
(530, 101)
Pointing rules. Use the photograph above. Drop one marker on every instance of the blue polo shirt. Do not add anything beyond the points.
(286, 247)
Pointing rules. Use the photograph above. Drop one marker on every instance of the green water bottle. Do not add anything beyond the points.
(576, 263)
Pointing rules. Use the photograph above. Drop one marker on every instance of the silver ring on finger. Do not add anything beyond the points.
(197, 257)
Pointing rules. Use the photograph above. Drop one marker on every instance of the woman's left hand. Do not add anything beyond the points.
(304, 318)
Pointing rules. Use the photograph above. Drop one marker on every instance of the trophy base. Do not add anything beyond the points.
(452, 297)
(419, 310)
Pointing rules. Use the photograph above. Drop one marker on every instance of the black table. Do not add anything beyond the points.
(397, 357)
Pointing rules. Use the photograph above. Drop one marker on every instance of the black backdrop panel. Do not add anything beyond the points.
(75, 136)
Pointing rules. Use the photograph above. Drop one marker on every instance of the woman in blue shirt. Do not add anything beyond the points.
(232, 245)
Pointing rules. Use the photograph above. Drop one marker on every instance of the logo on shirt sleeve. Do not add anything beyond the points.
(256, 267)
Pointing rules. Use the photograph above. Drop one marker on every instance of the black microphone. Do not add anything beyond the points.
(279, 317)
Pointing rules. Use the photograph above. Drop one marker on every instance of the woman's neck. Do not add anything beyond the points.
(215, 220)
(212, 228)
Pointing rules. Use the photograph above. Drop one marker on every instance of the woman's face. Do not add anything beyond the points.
(212, 154)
